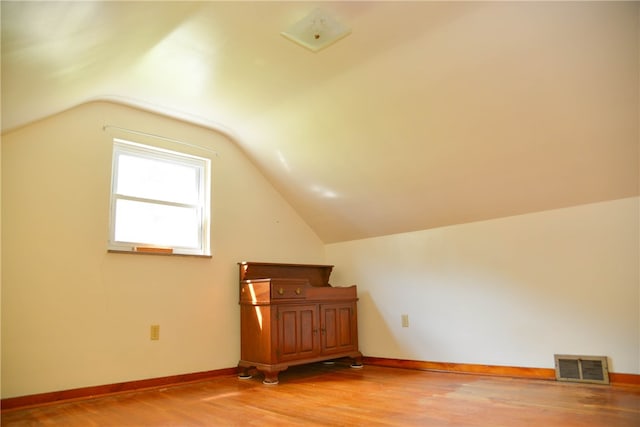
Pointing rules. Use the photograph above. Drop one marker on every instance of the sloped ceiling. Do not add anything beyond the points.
(427, 114)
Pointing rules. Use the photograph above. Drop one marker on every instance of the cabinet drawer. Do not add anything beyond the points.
(289, 289)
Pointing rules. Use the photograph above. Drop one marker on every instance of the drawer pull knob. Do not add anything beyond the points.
(298, 291)
(280, 291)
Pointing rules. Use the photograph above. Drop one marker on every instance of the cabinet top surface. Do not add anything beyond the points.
(283, 265)
(318, 275)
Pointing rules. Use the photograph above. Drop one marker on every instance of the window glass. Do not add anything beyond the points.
(163, 225)
(157, 179)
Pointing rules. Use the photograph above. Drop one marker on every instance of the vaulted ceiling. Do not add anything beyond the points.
(427, 114)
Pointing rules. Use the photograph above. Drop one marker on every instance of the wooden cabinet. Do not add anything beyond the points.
(290, 315)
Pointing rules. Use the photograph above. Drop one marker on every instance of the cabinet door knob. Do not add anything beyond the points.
(280, 291)
(298, 291)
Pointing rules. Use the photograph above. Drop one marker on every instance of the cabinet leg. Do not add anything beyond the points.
(357, 362)
(243, 373)
(270, 378)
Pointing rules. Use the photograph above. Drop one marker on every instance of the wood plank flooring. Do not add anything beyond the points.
(336, 395)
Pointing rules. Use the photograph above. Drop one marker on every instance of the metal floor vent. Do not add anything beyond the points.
(584, 369)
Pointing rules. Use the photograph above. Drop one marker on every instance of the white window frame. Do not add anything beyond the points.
(203, 167)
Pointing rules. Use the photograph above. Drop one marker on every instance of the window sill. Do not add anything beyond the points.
(115, 251)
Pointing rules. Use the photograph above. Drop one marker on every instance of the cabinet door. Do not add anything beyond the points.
(338, 325)
(297, 332)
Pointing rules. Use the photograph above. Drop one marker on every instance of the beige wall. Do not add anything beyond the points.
(74, 315)
(511, 291)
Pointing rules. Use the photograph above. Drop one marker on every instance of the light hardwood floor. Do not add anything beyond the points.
(336, 395)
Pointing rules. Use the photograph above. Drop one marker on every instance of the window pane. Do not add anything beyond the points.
(157, 179)
(139, 222)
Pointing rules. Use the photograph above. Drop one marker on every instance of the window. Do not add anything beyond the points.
(159, 200)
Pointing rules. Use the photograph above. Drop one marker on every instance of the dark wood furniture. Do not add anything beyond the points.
(291, 315)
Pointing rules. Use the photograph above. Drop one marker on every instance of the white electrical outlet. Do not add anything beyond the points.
(155, 332)
(405, 320)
